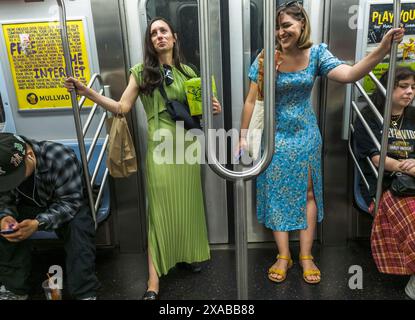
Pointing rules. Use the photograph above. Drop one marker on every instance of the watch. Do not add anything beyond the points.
(41, 224)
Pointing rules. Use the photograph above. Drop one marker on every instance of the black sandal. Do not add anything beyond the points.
(192, 267)
(150, 295)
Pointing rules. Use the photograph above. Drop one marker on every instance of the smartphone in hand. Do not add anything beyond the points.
(8, 231)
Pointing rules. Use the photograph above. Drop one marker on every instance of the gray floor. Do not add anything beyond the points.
(123, 276)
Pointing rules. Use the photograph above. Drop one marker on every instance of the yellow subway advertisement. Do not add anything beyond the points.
(380, 20)
(37, 62)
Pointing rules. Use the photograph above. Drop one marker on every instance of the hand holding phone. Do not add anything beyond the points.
(8, 231)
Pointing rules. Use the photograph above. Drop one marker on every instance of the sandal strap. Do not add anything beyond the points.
(310, 257)
(277, 271)
(283, 257)
(313, 272)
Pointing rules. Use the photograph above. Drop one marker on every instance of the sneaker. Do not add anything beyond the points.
(8, 295)
(410, 287)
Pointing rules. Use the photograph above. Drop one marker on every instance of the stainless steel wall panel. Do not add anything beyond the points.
(341, 38)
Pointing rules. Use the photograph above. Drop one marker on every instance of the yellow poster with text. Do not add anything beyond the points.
(38, 66)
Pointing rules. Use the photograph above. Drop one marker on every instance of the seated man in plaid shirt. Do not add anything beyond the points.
(41, 188)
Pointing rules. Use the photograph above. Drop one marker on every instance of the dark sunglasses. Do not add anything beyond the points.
(168, 74)
(289, 4)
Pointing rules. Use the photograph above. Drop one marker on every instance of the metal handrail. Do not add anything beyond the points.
(75, 106)
(371, 165)
(96, 137)
(387, 113)
(358, 166)
(91, 116)
(377, 83)
(95, 76)
(101, 190)
(99, 161)
(351, 130)
(370, 102)
(366, 126)
(82, 131)
(388, 104)
(269, 100)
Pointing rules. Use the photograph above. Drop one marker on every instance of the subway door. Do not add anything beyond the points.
(184, 16)
(247, 15)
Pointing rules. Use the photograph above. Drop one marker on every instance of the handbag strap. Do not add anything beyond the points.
(155, 106)
(163, 92)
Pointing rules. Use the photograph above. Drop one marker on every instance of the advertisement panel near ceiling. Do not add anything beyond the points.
(37, 64)
(375, 19)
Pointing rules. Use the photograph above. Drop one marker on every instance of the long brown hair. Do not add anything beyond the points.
(152, 76)
(297, 12)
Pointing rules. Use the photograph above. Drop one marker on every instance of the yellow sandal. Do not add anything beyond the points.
(311, 272)
(273, 271)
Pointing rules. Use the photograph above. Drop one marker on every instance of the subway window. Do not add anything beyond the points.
(257, 29)
(184, 17)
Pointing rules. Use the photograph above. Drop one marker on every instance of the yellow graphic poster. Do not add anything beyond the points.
(37, 62)
(380, 21)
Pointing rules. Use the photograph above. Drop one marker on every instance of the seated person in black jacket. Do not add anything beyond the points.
(393, 231)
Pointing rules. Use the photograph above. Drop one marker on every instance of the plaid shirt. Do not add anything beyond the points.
(58, 182)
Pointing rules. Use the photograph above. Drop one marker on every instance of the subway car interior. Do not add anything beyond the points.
(109, 36)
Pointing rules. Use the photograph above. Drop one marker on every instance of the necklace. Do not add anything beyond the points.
(395, 119)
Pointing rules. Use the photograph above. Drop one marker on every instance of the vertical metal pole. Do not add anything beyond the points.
(241, 240)
(388, 104)
(241, 245)
(75, 107)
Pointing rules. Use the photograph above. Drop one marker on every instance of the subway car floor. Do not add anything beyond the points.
(123, 276)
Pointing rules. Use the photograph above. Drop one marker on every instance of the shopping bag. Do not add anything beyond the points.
(121, 155)
(193, 88)
(255, 129)
(256, 125)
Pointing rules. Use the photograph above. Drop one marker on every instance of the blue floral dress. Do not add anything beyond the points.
(282, 188)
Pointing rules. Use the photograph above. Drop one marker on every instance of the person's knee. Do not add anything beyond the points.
(310, 195)
(81, 224)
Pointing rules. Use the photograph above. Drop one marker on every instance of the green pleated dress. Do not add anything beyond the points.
(177, 229)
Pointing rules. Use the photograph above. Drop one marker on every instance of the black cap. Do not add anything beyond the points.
(12, 163)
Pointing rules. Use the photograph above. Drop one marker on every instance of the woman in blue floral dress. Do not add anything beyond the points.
(289, 192)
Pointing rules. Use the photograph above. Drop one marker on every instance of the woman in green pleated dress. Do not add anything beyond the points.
(176, 220)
